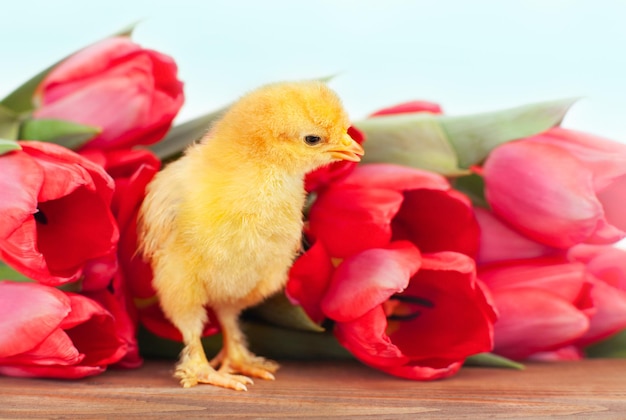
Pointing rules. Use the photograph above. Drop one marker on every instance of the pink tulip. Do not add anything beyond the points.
(499, 242)
(560, 188)
(543, 305)
(409, 108)
(45, 332)
(606, 269)
(57, 225)
(132, 94)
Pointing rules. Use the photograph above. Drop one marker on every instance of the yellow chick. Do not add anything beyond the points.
(222, 225)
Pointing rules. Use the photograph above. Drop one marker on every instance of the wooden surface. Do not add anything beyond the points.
(586, 390)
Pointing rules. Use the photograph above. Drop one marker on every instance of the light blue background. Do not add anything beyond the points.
(470, 56)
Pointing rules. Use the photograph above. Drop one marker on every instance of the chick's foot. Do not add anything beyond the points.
(243, 362)
(191, 373)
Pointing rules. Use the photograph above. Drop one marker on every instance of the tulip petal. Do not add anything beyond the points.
(20, 251)
(366, 338)
(64, 372)
(125, 318)
(60, 178)
(137, 271)
(64, 240)
(69, 166)
(554, 201)
(56, 349)
(366, 280)
(610, 315)
(613, 199)
(29, 313)
(459, 322)
(129, 90)
(426, 370)
(499, 242)
(605, 158)
(533, 320)
(20, 183)
(568, 280)
(446, 223)
(309, 279)
(73, 72)
(606, 263)
(394, 177)
(568, 353)
(349, 221)
(93, 332)
(409, 107)
(154, 320)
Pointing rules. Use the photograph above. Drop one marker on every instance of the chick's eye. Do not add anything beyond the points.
(312, 140)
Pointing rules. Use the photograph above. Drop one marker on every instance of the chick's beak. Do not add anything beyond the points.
(347, 150)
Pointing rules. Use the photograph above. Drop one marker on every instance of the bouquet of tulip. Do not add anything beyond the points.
(484, 239)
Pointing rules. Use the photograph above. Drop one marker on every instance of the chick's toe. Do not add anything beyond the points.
(192, 373)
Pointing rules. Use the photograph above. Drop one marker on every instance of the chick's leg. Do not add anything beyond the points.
(185, 309)
(235, 356)
(193, 367)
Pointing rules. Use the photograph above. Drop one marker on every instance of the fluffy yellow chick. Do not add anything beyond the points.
(222, 225)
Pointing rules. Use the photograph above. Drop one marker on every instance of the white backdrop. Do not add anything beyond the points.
(469, 56)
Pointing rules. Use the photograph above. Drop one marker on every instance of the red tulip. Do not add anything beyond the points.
(133, 300)
(397, 237)
(543, 305)
(45, 332)
(560, 188)
(57, 225)
(325, 175)
(131, 93)
(309, 279)
(411, 315)
(380, 202)
(115, 300)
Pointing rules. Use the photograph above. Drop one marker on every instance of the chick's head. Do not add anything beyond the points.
(299, 126)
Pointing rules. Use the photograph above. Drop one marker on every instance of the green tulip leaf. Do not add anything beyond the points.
(263, 339)
(614, 347)
(473, 186)
(279, 311)
(416, 140)
(7, 146)
(182, 135)
(9, 123)
(474, 136)
(61, 132)
(8, 273)
(492, 360)
(126, 31)
(286, 343)
(21, 99)
(327, 79)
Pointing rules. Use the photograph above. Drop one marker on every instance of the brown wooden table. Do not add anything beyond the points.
(588, 389)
